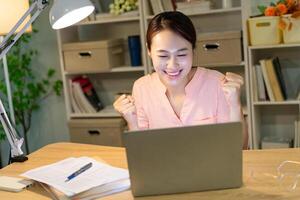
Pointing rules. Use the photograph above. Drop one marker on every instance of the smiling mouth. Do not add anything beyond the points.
(173, 74)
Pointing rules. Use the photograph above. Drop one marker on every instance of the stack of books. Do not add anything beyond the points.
(159, 6)
(84, 98)
(269, 80)
(194, 7)
(66, 179)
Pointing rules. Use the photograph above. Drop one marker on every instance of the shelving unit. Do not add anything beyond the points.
(121, 79)
(106, 83)
(108, 111)
(264, 118)
(273, 46)
(210, 12)
(272, 118)
(295, 102)
(110, 20)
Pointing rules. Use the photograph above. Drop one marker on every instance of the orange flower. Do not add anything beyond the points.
(270, 11)
(281, 8)
(289, 3)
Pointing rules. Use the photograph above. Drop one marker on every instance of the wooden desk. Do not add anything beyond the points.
(255, 163)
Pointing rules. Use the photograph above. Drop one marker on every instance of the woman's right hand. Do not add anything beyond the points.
(125, 106)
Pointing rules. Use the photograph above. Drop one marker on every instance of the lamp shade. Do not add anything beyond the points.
(10, 13)
(68, 12)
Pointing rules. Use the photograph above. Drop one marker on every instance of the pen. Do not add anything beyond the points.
(78, 172)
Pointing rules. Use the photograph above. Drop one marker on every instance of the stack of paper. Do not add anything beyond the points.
(100, 180)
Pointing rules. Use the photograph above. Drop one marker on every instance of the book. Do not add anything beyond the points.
(255, 84)
(81, 99)
(99, 180)
(157, 6)
(89, 92)
(279, 74)
(74, 106)
(258, 76)
(266, 80)
(194, 7)
(168, 5)
(78, 100)
(274, 83)
(296, 135)
(96, 192)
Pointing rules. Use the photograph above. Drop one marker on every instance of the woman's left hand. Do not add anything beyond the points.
(232, 87)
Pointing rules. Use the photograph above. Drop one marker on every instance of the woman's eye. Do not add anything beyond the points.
(162, 56)
(181, 55)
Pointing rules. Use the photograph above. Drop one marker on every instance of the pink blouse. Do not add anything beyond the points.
(205, 102)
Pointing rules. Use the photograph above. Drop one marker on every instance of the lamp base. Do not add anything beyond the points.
(21, 158)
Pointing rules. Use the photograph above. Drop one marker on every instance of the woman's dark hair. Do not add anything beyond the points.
(174, 21)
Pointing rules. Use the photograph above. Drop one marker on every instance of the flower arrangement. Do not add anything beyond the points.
(281, 8)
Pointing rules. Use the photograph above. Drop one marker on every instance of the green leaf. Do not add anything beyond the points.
(34, 30)
(57, 87)
(51, 73)
(46, 82)
(272, 4)
(261, 9)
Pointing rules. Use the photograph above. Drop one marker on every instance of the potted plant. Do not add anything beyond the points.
(28, 90)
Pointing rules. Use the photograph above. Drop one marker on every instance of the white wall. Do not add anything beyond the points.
(49, 123)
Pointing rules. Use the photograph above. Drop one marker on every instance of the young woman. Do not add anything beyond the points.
(178, 94)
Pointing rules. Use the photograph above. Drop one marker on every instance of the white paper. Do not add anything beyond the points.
(105, 190)
(56, 174)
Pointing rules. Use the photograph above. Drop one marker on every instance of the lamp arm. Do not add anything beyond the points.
(16, 153)
(38, 6)
(11, 135)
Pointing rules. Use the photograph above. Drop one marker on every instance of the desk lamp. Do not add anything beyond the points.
(63, 13)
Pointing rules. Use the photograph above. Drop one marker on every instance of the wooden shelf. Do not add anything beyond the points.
(113, 19)
(291, 102)
(106, 112)
(113, 70)
(273, 46)
(224, 65)
(209, 12)
(128, 69)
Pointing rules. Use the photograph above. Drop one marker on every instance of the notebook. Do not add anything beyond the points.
(184, 159)
(99, 180)
(96, 192)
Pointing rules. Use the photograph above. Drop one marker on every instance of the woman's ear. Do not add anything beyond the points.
(148, 51)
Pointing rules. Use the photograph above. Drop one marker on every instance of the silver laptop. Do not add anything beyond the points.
(184, 159)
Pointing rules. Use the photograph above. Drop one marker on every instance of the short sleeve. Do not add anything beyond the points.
(142, 119)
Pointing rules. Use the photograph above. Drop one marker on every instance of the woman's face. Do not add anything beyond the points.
(172, 57)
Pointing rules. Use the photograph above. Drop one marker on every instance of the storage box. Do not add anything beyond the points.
(93, 56)
(219, 48)
(293, 35)
(264, 30)
(97, 131)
